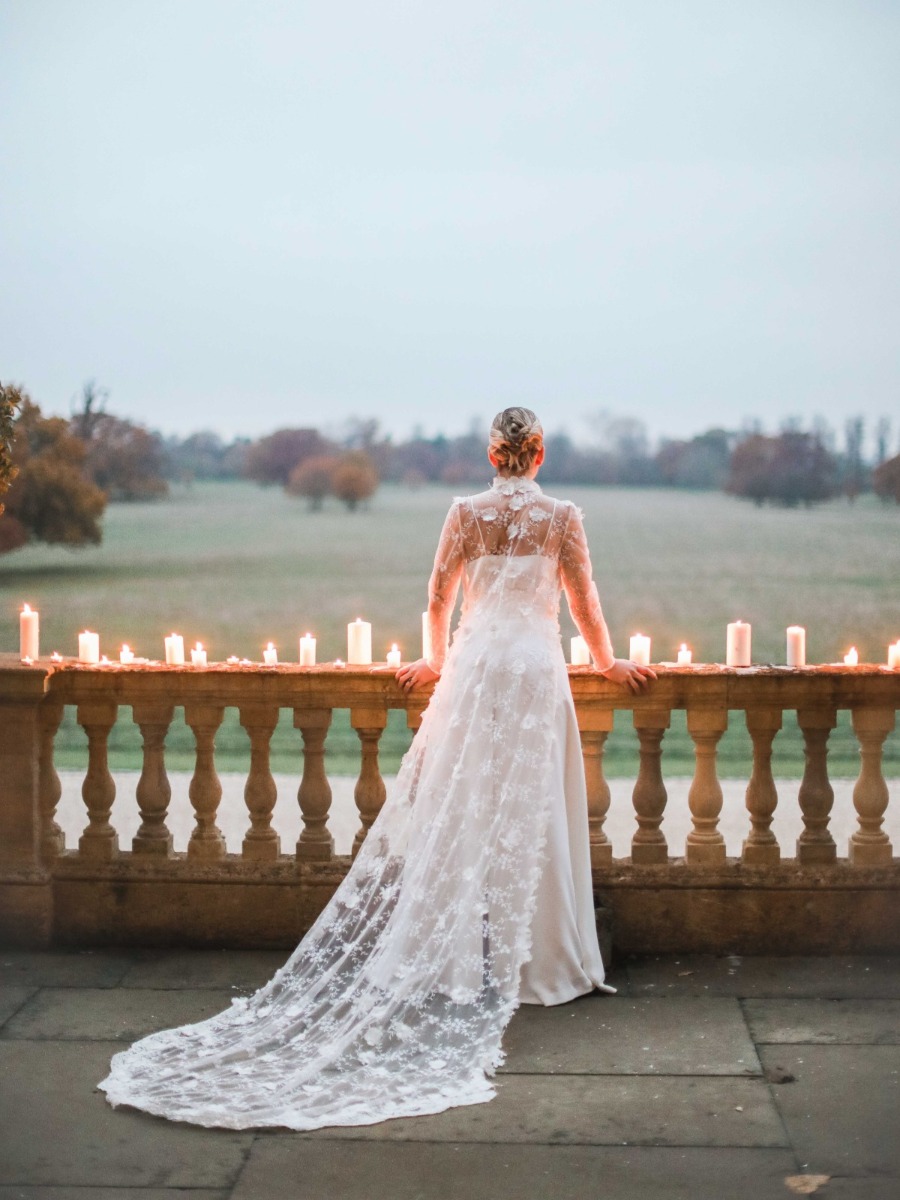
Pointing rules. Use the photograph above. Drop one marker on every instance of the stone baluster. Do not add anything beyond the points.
(53, 840)
(261, 840)
(649, 797)
(370, 792)
(315, 843)
(761, 848)
(870, 846)
(153, 791)
(99, 840)
(594, 727)
(705, 844)
(815, 844)
(205, 791)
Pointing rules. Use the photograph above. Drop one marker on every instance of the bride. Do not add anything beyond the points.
(472, 892)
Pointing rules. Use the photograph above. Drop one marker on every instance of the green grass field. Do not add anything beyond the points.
(237, 566)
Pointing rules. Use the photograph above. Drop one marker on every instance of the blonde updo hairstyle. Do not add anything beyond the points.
(516, 440)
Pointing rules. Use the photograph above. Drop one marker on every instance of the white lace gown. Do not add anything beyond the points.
(472, 892)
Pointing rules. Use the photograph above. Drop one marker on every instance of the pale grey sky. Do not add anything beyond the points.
(242, 214)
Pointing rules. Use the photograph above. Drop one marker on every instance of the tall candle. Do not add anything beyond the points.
(579, 655)
(685, 658)
(198, 655)
(126, 654)
(851, 658)
(88, 647)
(175, 650)
(359, 642)
(639, 650)
(737, 645)
(308, 651)
(894, 655)
(426, 636)
(29, 633)
(270, 655)
(796, 646)
(393, 656)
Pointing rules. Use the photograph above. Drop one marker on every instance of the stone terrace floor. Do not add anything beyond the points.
(704, 1077)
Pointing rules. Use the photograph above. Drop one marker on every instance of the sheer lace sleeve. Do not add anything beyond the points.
(444, 584)
(581, 591)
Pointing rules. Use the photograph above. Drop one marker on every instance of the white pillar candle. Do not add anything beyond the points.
(426, 636)
(359, 642)
(851, 658)
(88, 647)
(737, 645)
(393, 656)
(894, 655)
(796, 646)
(270, 655)
(198, 655)
(685, 658)
(579, 655)
(29, 633)
(126, 654)
(308, 651)
(175, 650)
(639, 650)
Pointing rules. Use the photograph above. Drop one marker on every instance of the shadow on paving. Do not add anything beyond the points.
(703, 1077)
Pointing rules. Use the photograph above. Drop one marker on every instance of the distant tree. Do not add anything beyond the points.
(886, 479)
(882, 439)
(10, 402)
(271, 459)
(355, 478)
(314, 479)
(701, 462)
(791, 468)
(52, 499)
(126, 460)
(853, 469)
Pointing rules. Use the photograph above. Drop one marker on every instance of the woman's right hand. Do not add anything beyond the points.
(630, 673)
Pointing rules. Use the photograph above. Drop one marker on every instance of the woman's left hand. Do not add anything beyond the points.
(415, 674)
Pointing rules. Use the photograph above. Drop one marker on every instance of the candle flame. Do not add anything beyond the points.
(26, 608)
(683, 646)
(394, 646)
(126, 649)
(56, 656)
(270, 646)
(28, 661)
(199, 646)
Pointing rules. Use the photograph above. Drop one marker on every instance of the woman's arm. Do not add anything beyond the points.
(442, 589)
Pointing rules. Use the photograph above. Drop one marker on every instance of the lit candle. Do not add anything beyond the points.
(894, 655)
(393, 656)
(104, 661)
(88, 647)
(639, 650)
(359, 642)
(126, 654)
(737, 645)
(233, 659)
(579, 655)
(270, 655)
(29, 633)
(685, 658)
(198, 655)
(175, 650)
(308, 651)
(851, 658)
(339, 662)
(796, 646)
(56, 656)
(426, 636)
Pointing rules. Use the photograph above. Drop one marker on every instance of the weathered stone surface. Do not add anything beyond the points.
(120, 1014)
(245, 970)
(289, 1168)
(60, 968)
(832, 977)
(114, 1193)
(841, 1113)
(49, 1087)
(600, 1111)
(861, 1022)
(609, 1035)
(12, 999)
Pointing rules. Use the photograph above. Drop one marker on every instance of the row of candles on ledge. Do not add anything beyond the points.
(359, 647)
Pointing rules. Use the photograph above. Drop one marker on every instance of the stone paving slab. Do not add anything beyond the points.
(287, 1168)
(835, 977)
(841, 1114)
(246, 970)
(868, 1188)
(612, 1035)
(599, 1110)
(48, 1089)
(61, 968)
(859, 1022)
(113, 1193)
(106, 1014)
(12, 999)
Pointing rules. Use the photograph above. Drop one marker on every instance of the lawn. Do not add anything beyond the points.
(237, 566)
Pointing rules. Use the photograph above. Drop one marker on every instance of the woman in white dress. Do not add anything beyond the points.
(472, 892)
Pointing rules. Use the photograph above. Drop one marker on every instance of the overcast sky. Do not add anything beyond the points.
(242, 215)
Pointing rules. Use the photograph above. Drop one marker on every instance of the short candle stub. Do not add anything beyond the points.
(851, 658)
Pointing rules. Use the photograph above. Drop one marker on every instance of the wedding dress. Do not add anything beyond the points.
(472, 891)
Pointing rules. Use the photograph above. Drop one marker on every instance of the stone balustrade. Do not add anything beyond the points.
(805, 898)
